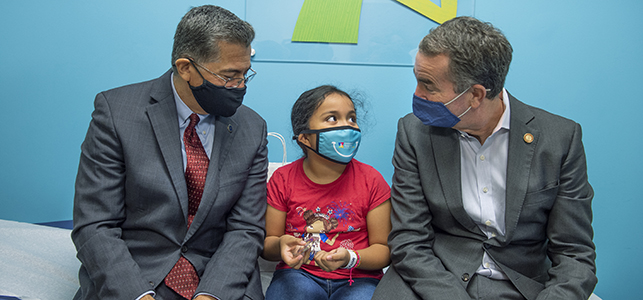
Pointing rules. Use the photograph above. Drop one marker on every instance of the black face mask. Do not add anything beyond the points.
(217, 100)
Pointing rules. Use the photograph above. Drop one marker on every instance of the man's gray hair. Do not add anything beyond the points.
(202, 28)
(479, 53)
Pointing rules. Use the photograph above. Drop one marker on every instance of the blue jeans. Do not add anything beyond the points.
(299, 284)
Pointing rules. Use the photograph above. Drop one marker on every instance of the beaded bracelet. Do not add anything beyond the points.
(353, 262)
(359, 260)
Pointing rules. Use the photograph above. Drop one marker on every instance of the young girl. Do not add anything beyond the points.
(328, 215)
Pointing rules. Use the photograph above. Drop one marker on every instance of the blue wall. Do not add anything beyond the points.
(577, 59)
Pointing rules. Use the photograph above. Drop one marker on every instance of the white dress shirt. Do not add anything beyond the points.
(484, 182)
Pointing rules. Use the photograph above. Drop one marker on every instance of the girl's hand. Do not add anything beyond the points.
(333, 260)
(291, 248)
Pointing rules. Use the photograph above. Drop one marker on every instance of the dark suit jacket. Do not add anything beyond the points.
(131, 202)
(547, 251)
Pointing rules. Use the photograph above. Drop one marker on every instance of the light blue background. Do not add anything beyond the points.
(580, 59)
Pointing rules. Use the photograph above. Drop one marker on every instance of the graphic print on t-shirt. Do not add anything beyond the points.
(320, 223)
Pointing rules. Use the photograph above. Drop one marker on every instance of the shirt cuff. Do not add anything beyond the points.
(213, 296)
(145, 294)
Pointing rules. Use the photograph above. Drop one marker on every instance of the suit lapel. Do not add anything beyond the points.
(520, 156)
(225, 130)
(163, 117)
(446, 148)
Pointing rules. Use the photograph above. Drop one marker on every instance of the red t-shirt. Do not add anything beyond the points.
(332, 215)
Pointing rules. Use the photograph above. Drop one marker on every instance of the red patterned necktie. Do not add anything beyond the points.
(183, 278)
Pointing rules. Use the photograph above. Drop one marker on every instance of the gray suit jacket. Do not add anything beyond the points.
(436, 247)
(131, 202)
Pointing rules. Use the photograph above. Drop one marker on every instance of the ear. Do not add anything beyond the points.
(303, 138)
(479, 93)
(184, 68)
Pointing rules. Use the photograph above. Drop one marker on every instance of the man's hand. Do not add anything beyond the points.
(204, 297)
(333, 260)
(291, 248)
(147, 297)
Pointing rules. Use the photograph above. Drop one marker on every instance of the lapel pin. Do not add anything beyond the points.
(230, 128)
(528, 137)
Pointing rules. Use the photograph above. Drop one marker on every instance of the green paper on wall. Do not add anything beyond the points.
(328, 21)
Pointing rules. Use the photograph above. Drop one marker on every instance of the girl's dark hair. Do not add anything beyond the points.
(329, 223)
(306, 105)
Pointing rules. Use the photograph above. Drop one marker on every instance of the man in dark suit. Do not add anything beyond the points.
(171, 186)
(490, 196)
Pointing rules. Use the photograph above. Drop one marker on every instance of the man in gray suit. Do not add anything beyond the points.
(490, 196)
(137, 234)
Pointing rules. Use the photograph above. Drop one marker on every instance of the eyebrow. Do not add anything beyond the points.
(335, 112)
(422, 79)
(426, 81)
(233, 70)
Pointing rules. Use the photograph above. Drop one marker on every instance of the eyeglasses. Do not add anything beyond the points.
(230, 83)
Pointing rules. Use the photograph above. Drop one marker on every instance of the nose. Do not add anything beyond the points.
(346, 122)
(419, 92)
(241, 85)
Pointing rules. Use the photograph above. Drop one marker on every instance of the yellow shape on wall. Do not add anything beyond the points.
(430, 10)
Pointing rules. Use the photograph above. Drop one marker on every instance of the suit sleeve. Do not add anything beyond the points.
(412, 236)
(569, 230)
(227, 274)
(99, 211)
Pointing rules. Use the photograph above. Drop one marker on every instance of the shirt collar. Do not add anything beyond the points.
(506, 115)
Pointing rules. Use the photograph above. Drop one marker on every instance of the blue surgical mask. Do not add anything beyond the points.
(435, 113)
(337, 144)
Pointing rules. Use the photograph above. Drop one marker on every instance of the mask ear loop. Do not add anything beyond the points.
(296, 138)
(466, 111)
(458, 96)
(197, 70)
